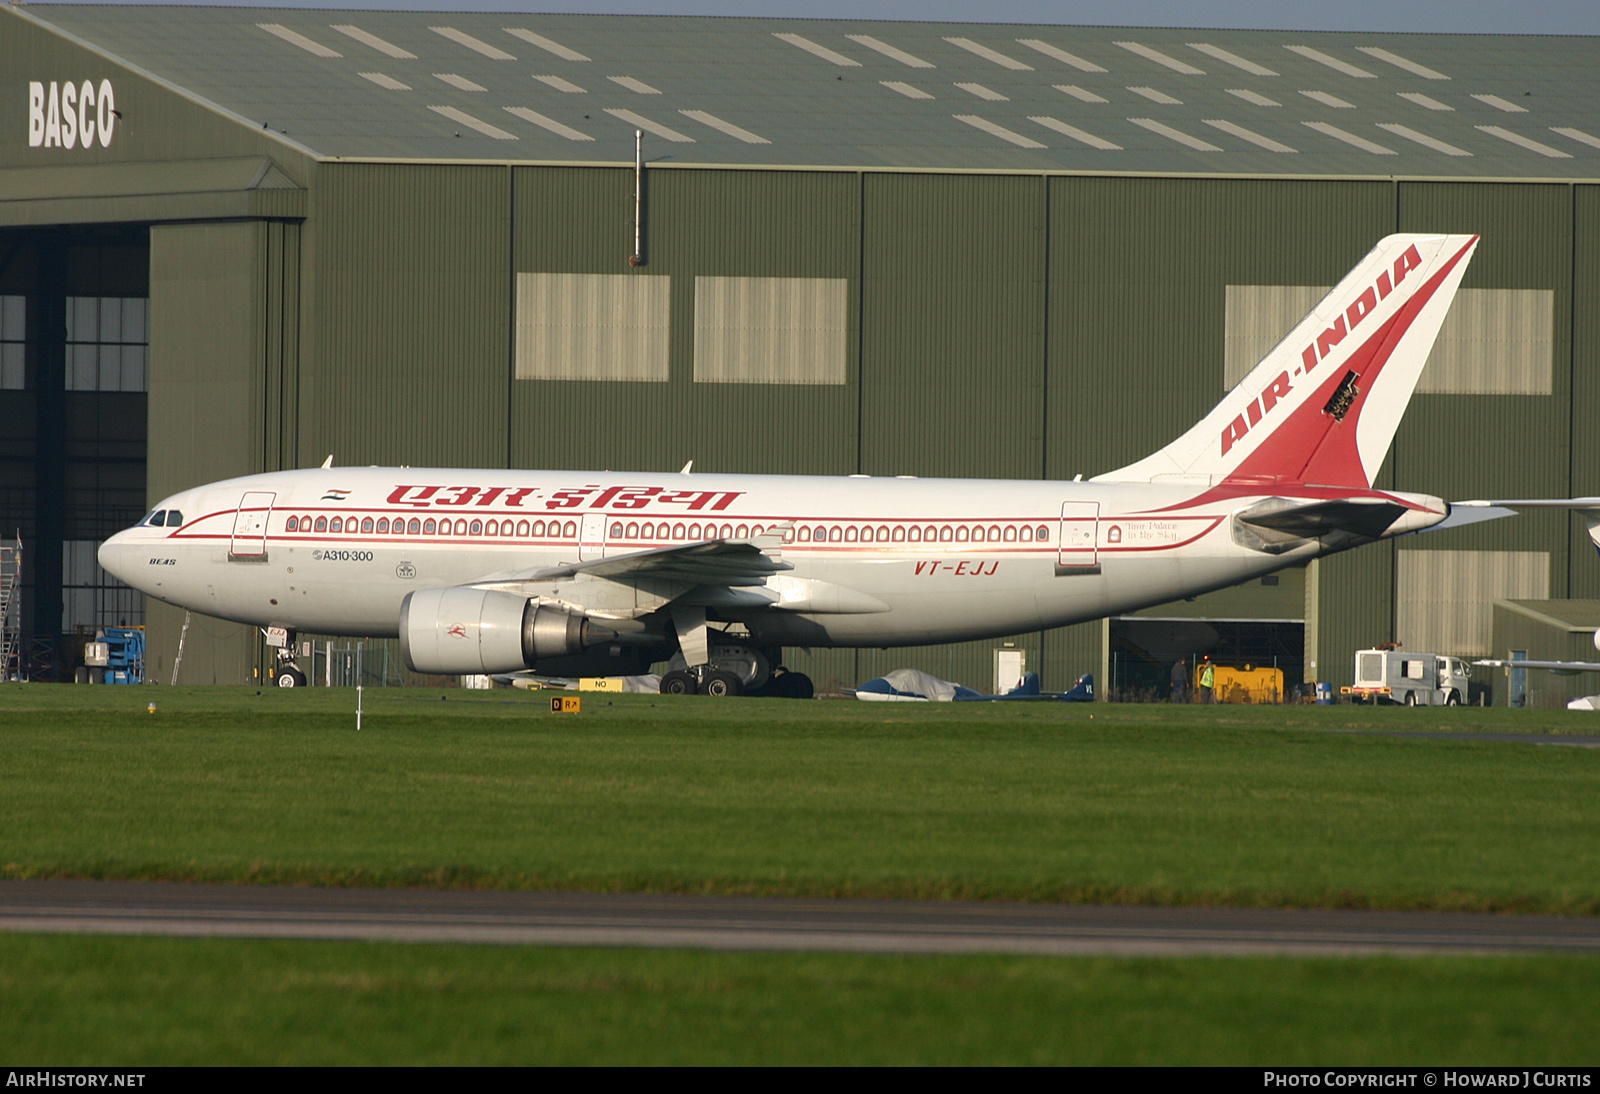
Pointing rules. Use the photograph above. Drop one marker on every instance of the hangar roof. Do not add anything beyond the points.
(838, 93)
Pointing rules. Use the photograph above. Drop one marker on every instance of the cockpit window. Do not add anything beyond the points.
(174, 518)
(150, 517)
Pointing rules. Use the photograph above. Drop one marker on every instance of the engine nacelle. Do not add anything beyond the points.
(468, 631)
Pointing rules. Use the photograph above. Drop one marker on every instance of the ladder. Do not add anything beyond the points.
(10, 606)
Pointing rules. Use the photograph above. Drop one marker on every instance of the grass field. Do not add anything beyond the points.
(1020, 801)
(129, 1002)
(1281, 806)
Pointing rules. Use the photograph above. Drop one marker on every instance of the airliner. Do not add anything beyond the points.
(602, 573)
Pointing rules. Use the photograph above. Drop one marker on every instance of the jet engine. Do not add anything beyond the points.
(463, 630)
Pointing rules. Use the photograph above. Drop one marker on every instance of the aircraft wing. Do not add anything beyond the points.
(730, 562)
(1560, 668)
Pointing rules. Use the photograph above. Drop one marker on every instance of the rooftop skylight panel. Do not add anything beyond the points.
(734, 131)
(1156, 96)
(992, 55)
(1576, 134)
(1349, 138)
(893, 52)
(1524, 142)
(459, 81)
(466, 119)
(905, 89)
(641, 122)
(1061, 55)
(633, 85)
(546, 44)
(1332, 62)
(1231, 58)
(1420, 99)
(998, 130)
(813, 48)
(384, 81)
(295, 38)
(1160, 58)
(1501, 104)
(548, 123)
(1248, 135)
(1175, 135)
(494, 53)
(1254, 97)
(983, 92)
(1328, 100)
(561, 85)
(1080, 93)
(1423, 139)
(1077, 134)
(376, 43)
(1402, 62)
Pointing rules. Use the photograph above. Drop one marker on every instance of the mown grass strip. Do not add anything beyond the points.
(990, 801)
(131, 1002)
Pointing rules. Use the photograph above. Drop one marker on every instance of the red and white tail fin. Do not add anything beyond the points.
(1324, 405)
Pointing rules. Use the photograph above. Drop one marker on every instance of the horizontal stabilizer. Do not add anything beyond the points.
(1368, 517)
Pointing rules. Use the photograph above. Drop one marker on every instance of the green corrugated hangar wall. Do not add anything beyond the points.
(999, 326)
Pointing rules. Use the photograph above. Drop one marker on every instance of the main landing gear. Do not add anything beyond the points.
(712, 662)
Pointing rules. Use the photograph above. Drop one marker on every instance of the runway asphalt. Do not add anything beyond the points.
(760, 923)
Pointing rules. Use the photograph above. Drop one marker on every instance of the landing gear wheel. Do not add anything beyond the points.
(720, 684)
(790, 685)
(678, 683)
(291, 678)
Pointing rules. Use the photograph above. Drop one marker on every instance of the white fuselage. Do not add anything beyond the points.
(879, 561)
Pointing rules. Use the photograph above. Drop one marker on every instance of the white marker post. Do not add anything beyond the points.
(359, 645)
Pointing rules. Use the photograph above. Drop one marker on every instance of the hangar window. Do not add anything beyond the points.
(428, 527)
(574, 326)
(413, 528)
(1011, 533)
(946, 534)
(366, 525)
(322, 524)
(292, 525)
(569, 530)
(475, 528)
(108, 343)
(383, 525)
(770, 330)
(13, 341)
(522, 528)
(90, 597)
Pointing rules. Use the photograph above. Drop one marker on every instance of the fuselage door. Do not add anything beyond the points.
(249, 542)
(1080, 535)
(592, 537)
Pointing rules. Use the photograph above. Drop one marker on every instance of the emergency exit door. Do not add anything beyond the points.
(249, 543)
(592, 537)
(1078, 545)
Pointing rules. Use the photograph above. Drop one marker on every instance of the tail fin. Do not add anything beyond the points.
(1324, 405)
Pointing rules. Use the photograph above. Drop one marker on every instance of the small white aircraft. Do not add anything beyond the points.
(604, 573)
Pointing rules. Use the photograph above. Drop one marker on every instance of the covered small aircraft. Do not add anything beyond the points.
(602, 573)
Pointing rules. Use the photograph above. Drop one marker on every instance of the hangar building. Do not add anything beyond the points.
(236, 240)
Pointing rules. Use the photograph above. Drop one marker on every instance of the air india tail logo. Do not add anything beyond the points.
(1319, 350)
(456, 630)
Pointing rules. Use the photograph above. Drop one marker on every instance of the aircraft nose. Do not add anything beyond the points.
(113, 555)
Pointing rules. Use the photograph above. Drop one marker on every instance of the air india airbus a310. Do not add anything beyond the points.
(604, 573)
